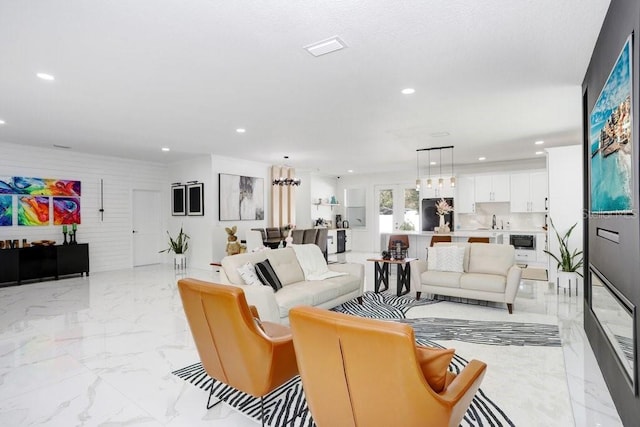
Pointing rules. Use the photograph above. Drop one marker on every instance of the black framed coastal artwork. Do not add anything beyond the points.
(241, 198)
(611, 143)
(178, 198)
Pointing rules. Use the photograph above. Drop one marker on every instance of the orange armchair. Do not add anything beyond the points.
(343, 365)
(234, 346)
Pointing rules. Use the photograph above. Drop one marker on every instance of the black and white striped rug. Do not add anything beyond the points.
(288, 402)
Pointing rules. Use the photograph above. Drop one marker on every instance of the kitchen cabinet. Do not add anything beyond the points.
(492, 188)
(529, 192)
(348, 240)
(436, 191)
(332, 241)
(465, 201)
(541, 247)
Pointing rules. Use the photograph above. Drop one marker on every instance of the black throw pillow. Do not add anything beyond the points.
(267, 275)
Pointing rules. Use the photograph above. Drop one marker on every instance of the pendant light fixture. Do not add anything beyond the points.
(452, 179)
(285, 180)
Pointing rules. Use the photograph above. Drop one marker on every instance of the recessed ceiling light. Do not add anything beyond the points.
(2, 122)
(439, 134)
(433, 163)
(408, 91)
(45, 76)
(323, 47)
(539, 152)
(482, 158)
(166, 149)
(539, 142)
(241, 130)
(350, 171)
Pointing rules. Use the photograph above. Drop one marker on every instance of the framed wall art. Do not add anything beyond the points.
(178, 200)
(610, 139)
(241, 198)
(195, 199)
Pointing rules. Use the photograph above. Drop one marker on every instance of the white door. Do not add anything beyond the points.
(398, 208)
(147, 227)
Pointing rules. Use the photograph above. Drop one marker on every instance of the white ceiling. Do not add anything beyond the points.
(135, 76)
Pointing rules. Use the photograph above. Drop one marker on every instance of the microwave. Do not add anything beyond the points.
(523, 241)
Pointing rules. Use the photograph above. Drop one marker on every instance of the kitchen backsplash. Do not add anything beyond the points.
(483, 216)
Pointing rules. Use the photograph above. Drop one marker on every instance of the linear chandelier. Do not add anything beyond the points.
(452, 179)
(283, 180)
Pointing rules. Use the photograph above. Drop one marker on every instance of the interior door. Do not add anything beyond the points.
(147, 227)
(398, 208)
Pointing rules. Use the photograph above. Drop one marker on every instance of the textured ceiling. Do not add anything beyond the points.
(135, 76)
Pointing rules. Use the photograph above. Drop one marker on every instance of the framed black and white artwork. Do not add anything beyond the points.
(178, 198)
(241, 198)
(195, 199)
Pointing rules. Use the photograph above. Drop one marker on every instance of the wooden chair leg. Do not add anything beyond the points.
(510, 308)
(418, 295)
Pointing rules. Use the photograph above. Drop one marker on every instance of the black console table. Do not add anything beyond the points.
(40, 262)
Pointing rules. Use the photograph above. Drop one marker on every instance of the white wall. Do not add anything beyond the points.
(323, 187)
(565, 197)
(111, 240)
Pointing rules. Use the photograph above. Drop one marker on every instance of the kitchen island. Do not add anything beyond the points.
(419, 241)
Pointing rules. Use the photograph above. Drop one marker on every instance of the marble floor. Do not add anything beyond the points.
(99, 350)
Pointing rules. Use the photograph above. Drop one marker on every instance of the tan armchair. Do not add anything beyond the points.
(234, 346)
(343, 365)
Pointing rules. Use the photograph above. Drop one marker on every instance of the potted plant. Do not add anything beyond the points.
(179, 247)
(569, 262)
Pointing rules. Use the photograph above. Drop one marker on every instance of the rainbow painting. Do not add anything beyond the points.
(5, 185)
(32, 186)
(33, 210)
(6, 210)
(66, 210)
(62, 187)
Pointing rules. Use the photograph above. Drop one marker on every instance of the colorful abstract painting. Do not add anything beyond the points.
(32, 186)
(33, 210)
(6, 210)
(6, 185)
(611, 141)
(61, 187)
(66, 210)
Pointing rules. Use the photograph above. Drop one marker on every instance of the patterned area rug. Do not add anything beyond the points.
(288, 402)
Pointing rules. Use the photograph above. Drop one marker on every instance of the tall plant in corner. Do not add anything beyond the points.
(179, 245)
(568, 261)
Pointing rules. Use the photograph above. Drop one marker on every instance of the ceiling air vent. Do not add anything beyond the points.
(325, 46)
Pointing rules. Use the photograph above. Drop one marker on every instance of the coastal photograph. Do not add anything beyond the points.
(611, 141)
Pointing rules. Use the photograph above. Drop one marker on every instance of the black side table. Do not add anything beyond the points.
(381, 274)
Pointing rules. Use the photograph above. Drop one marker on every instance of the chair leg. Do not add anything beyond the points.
(418, 295)
(262, 410)
(510, 308)
(359, 300)
(209, 405)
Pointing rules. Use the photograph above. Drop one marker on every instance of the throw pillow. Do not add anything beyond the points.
(248, 274)
(267, 275)
(450, 258)
(432, 255)
(434, 363)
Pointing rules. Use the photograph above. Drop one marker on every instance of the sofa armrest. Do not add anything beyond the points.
(352, 268)
(264, 300)
(513, 282)
(418, 267)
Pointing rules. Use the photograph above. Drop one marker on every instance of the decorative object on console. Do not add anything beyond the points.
(233, 246)
(443, 208)
(611, 140)
(241, 198)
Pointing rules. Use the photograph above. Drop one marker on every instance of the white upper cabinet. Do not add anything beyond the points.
(492, 188)
(529, 192)
(465, 199)
(435, 191)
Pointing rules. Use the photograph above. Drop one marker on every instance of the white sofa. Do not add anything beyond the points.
(274, 306)
(489, 274)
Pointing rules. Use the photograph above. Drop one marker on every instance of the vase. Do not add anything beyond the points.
(441, 225)
(289, 239)
(567, 279)
(179, 261)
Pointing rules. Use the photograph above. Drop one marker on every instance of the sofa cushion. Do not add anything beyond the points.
(491, 258)
(286, 265)
(267, 275)
(434, 363)
(315, 292)
(483, 282)
(465, 245)
(441, 278)
(448, 258)
(231, 263)
(248, 274)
